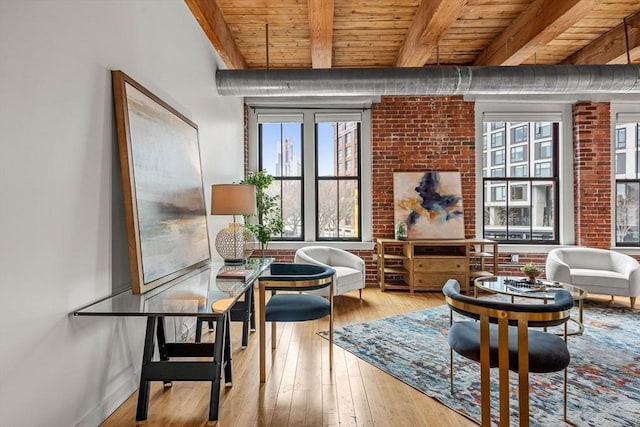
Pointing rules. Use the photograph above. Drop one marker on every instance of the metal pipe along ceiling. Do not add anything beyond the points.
(449, 80)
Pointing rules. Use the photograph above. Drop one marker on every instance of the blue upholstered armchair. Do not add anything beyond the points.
(503, 335)
(290, 301)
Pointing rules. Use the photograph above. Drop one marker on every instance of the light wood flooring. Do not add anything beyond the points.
(300, 390)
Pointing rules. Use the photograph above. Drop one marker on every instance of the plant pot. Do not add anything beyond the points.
(531, 275)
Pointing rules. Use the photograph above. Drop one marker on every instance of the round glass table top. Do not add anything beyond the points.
(522, 287)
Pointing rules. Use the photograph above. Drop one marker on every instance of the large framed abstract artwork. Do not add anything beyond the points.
(165, 211)
(429, 203)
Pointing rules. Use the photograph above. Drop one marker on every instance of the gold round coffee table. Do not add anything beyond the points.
(541, 289)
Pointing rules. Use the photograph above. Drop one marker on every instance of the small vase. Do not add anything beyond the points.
(401, 231)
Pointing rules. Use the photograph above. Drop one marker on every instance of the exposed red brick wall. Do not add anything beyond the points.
(438, 133)
(592, 172)
(421, 133)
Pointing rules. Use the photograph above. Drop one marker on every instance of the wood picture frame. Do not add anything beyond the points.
(164, 202)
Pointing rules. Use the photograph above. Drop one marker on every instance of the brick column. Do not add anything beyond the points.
(592, 173)
(421, 133)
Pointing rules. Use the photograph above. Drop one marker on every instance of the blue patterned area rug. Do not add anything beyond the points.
(604, 374)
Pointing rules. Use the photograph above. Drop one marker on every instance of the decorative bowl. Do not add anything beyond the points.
(531, 274)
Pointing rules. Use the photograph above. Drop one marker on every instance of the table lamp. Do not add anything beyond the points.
(234, 243)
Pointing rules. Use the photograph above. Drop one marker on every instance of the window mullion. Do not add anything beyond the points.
(310, 174)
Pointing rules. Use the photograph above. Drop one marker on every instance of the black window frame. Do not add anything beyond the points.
(554, 179)
(628, 181)
(358, 178)
(287, 178)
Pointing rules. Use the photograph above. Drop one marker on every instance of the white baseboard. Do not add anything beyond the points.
(110, 403)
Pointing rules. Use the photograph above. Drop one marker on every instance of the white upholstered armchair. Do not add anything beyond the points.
(350, 268)
(599, 271)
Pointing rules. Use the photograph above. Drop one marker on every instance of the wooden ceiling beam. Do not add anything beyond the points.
(540, 23)
(611, 47)
(431, 22)
(210, 18)
(321, 32)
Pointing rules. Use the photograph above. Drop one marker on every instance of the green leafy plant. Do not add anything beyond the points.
(530, 269)
(268, 222)
(401, 230)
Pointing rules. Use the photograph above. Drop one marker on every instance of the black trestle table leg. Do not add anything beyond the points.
(147, 356)
(162, 347)
(218, 353)
(227, 353)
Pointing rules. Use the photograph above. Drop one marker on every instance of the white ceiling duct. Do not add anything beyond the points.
(448, 80)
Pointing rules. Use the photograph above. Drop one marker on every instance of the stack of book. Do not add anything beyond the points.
(234, 274)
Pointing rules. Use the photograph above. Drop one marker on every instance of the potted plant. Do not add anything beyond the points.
(268, 221)
(401, 230)
(531, 271)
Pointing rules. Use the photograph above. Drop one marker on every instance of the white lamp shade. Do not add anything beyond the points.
(233, 199)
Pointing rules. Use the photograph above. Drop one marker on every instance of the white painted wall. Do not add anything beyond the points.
(62, 239)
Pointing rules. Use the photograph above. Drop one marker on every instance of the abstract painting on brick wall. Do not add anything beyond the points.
(429, 203)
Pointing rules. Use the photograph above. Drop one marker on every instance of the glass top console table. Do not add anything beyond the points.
(200, 294)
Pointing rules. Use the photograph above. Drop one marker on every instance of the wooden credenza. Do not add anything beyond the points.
(425, 265)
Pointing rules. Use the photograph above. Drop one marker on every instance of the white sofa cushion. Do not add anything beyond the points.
(587, 277)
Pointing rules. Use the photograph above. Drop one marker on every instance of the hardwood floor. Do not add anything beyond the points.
(300, 390)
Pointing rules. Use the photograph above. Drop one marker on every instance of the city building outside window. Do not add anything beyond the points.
(315, 157)
(627, 181)
(280, 154)
(530, 213)
(338, 183)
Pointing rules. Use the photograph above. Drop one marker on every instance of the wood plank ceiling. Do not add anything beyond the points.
(416, 33)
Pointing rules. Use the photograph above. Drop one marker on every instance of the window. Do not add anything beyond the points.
(497, 157)
(337, 198)
(621, 163)
(542, 150)
(542, 169)
(621, 138)
(519, 171)
(542, 130)
(627, 182)
(519, 154)
(280, 154)
(530, 213)
(316, 159)
(518, 193)
(520, 134)
(497, 139)
(498, 194)
(627, 215)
